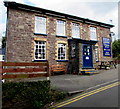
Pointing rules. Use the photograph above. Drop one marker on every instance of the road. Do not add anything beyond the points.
(105, 96)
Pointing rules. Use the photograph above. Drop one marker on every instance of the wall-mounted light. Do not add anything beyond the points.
(112, 34)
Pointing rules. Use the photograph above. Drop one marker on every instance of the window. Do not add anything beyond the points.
(40, 50)
(40, 25)
(73, 48)
(61, 51)
(93, 34)
(96, 54)
(60, 28)
(75, 30)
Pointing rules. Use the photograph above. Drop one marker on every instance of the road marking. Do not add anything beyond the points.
(102, 84)
(84, 95)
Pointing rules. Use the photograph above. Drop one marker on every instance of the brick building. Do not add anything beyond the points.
(37, 35)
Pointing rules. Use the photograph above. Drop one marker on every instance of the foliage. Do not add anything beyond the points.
(26, 95)
(3, 42)
(57, 95)
(116, 48)
(29, 95)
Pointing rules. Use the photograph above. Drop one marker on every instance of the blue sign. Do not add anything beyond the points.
(106, 47)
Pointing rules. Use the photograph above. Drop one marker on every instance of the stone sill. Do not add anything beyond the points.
(39, 60)
(40, 34)
(61, 36)
(62, 60)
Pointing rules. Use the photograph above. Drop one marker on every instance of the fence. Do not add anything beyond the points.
(23, 70)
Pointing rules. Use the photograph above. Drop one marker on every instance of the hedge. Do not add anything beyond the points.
(25, 95)
(29, 95)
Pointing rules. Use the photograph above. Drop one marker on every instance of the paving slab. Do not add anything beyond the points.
(75, 83)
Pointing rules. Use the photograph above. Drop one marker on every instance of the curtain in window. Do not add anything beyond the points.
(75, 30)
(93, 34)
(60, 28)
(40, 25)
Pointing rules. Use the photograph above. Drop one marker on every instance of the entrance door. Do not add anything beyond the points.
(87, 56)
(73, 66)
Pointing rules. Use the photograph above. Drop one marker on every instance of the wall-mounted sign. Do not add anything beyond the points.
(106, 47)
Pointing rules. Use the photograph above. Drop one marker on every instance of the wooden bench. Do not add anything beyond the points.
(58, 68)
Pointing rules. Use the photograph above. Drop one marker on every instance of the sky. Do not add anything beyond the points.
(100, 10)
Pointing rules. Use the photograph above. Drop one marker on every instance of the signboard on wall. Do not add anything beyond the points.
(106, 47)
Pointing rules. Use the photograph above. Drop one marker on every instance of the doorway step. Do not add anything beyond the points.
(88, 71)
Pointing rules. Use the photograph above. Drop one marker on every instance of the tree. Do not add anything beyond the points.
(116, 48)
(3, 42)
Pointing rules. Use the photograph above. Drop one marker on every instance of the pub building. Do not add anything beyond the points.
(39, 35)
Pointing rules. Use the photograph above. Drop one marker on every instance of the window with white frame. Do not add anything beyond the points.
(60, 29)
(96, 54)
(40, 25)
(61, 51)
(73, 47)
(40, 50)
(75, 30)
(93, 33)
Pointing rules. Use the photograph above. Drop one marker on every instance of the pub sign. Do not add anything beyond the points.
(106, 47)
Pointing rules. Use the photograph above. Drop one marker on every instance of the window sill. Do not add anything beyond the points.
(62, 60)
(61, 36)
(76, 38)
(93, 40)
(39, 60)
(97, 61)
(40, 34)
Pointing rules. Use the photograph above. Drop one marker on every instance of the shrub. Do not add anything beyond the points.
(29, 95)
(57, 95)
(26, 95)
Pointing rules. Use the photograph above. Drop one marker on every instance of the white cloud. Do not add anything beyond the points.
(75, 7)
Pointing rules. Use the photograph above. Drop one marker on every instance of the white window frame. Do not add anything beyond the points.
(40, 25)
(63, 45)
(93, 33)
(61, 28)
(37, 47)
(75, 30)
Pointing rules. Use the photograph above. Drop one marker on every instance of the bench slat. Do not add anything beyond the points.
(58, 68)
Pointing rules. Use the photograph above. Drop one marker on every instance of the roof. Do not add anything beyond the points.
(29, 8)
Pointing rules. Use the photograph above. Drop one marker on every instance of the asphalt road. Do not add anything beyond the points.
(105, 96)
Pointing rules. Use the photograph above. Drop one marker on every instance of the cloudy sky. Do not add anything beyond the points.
(99, 10)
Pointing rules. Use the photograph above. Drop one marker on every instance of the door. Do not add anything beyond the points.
(73, 57)
(87, 56)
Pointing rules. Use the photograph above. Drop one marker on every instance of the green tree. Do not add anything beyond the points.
(116, 48)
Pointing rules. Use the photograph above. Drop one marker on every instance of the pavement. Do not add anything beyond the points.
(78, 83)
(73, 84)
